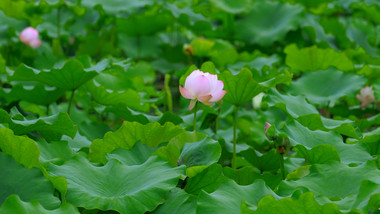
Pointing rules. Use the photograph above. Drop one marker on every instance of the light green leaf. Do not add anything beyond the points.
(326, 87)
(305, 204)
(202, 47)
(178, 201)
(106, 96)
(302, 136)
(56, 152)
(115, 186)
(116, 6)
(269, 22)
(229, 196)
(314, 58)
(29, 184)
(35, 93)
(333, 179)
(319, 154)
(23, 149)
(172, 151)
(266, 162)
(68, 76)
(135, 156)
(51, 127)
(233, 7)
(203, 152)
(297, 107)
(240, 88)
(13, 204)
(151, 134)
(208, 180)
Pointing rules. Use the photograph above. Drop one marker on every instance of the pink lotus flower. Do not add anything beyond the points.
(366, 96)
(204, 87)
(29, 36)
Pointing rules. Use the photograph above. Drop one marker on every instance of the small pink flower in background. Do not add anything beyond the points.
(29, 36)
(366, 96)
(266, 127)
(204, 87)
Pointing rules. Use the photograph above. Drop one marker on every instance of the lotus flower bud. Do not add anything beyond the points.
(269, 131)
(29, 36)
(204, 87)
(366, 96)
(188, 49)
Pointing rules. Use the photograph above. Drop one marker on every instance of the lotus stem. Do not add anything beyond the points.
(234, 137)
(282, 165)
(71, 101)
(195, 117)
(169, 102)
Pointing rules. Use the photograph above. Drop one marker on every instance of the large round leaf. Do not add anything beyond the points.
(269, 22)
(301, 136)
(304, 204)
(229, 196)
(13, 204)
(326, 87)
(115, 186)
(178, 202)
(333, 179)
(29, 184)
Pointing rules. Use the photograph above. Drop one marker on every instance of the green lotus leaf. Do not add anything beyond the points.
(106, 96)
(178, 201)
(187, 16)
(269, 22)
(223, 53)
(56, 152)
(240, 88)
(371, 139)
(306, 203)
(202, 47)
(172, 151)
(359, 30)
(229, 197)
(13, 204)
(295, 106)
(151, 134)
(37, 94)
(302, 136)
(326, 87)
(376, 89)
(312, 26)
(247, 175)
(368, 198)
(314, 58)
(23, 149)
(135, 156)
(140, 46)
(50, 22)
(68, 76)
(29, 184)
(208, 180)
(51, 127)
(204, 152)
(144, 24)
(122, 111)
(116, 6)
(334, 180)
(115, 186)
(13, 12)
(268, 161)
(319, 154)
(305, 113)
(258, 63)
(233, 7)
